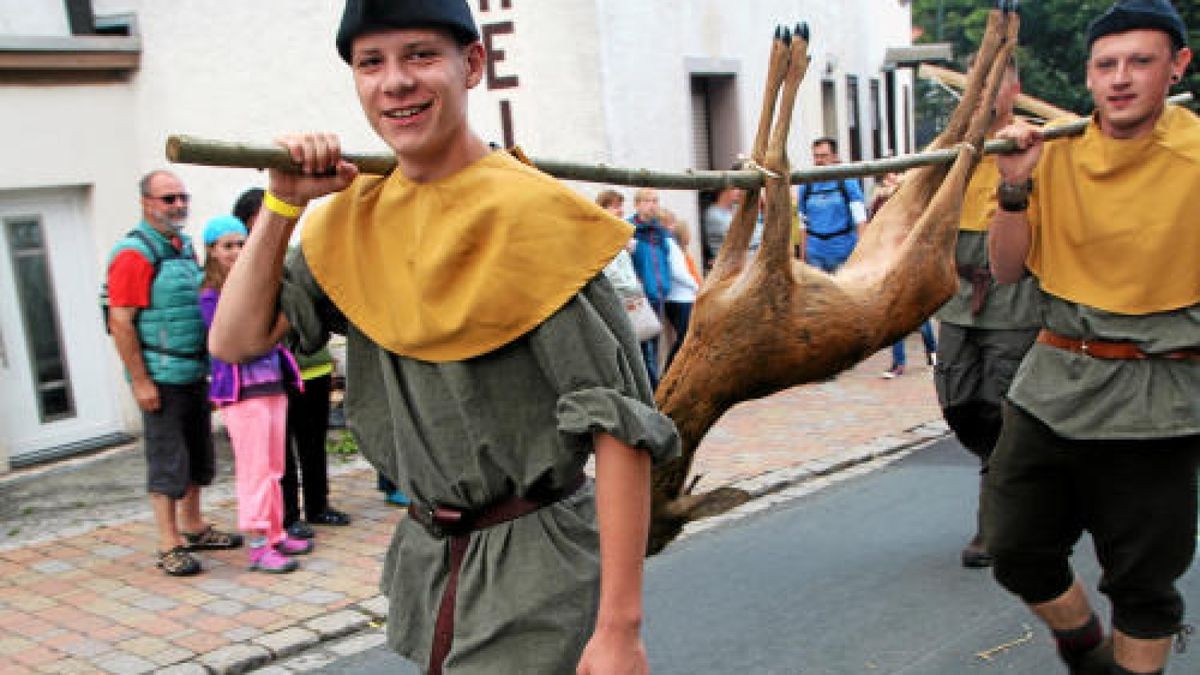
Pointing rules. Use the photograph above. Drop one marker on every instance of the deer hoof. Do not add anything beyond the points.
(1007, 5)
(802, 30)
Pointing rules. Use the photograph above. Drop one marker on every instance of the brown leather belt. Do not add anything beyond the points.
(1099, 349)
(445, 522)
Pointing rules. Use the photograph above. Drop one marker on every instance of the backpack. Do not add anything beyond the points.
(155, 260)
(805, 193)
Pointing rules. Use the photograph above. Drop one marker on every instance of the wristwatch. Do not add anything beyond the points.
(1014, 196)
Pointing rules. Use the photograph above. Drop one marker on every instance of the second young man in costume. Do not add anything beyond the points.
(986, 328)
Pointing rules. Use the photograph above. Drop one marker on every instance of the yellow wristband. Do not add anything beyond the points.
(278, 206)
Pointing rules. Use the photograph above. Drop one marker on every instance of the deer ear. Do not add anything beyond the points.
(802, 30)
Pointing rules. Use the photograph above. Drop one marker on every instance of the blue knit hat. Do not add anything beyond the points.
(220, 226)
(1126, 15)
(363, 16)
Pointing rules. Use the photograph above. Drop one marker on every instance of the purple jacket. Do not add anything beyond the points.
(228, 379)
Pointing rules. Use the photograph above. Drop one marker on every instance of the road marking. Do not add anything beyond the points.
(987, 654)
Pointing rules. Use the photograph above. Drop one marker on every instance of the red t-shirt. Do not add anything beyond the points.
(130, 276)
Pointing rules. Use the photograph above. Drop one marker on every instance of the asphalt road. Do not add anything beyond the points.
(861, 577)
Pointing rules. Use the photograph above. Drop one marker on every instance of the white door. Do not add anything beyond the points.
(56, 394)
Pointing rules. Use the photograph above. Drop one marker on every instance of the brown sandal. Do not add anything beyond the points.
(178, 562)
(211, 539)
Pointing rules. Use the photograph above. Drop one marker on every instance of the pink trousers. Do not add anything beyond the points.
(258, 431)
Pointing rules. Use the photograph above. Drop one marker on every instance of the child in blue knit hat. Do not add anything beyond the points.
(252, 399)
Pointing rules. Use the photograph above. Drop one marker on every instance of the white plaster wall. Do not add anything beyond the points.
(76, 136)
(33, 17)
(646, 88)
(555, 52)
(599, 81)
(235, 70)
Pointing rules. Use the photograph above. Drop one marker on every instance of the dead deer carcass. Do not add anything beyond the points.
(766, 323)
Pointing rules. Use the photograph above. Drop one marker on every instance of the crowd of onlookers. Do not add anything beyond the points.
(655, 272)
(275, 408)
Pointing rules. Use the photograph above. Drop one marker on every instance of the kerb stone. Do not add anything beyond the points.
(288, 641)
(337, 624)
(236, 659)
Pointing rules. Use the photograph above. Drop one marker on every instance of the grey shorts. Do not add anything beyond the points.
(178, 440)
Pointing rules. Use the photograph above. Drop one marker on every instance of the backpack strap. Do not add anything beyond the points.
(845, 192)
(156, 255)
(805, 193)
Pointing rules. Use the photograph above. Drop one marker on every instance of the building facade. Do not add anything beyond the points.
(91, 89)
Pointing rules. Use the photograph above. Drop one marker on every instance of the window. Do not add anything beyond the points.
(855, 118)
(876, 121)
(39, 313)
(829, 108)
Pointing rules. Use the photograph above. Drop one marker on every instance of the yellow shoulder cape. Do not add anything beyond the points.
(979, 201)
(1114, 220)
(455, 268)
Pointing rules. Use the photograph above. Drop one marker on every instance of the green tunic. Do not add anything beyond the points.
(468, 433)
(1082, 397)
(1008, 306)
(979, 353)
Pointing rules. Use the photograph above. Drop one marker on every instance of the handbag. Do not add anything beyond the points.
(646, 325)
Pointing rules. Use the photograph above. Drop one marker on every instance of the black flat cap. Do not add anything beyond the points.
(364, 16)
(1127, 15)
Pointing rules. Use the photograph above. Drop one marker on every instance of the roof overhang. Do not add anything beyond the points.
(78, 57)
(914, 55)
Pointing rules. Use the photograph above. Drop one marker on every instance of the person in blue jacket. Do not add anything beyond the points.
(832, 212)
(652, 260)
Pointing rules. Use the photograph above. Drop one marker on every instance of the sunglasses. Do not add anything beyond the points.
(170, 199)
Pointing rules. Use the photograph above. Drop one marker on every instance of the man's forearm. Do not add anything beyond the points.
(623, 512)
(246, 321)
(1009, 239)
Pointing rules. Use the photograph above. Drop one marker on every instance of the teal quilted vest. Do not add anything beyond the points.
(171, 329)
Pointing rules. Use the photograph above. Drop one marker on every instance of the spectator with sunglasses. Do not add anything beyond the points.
(154, 317)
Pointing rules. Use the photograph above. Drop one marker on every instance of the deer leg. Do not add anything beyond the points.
(985, 110)
(775, 257)
(993, 39)
(991, 74)
(969, 123)
(918, 270)
(732, 256)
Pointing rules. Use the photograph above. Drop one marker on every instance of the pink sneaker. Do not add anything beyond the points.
(267, 559)
(290, 545)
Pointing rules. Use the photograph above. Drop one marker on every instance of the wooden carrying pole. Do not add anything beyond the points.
(192, 150)
(1023, 102)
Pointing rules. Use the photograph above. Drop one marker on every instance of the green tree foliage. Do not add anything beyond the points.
(1053, 49)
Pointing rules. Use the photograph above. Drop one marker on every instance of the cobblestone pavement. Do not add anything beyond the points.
(79, 593)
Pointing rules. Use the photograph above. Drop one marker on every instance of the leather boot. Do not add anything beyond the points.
(1098, 661)
(974, 555)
